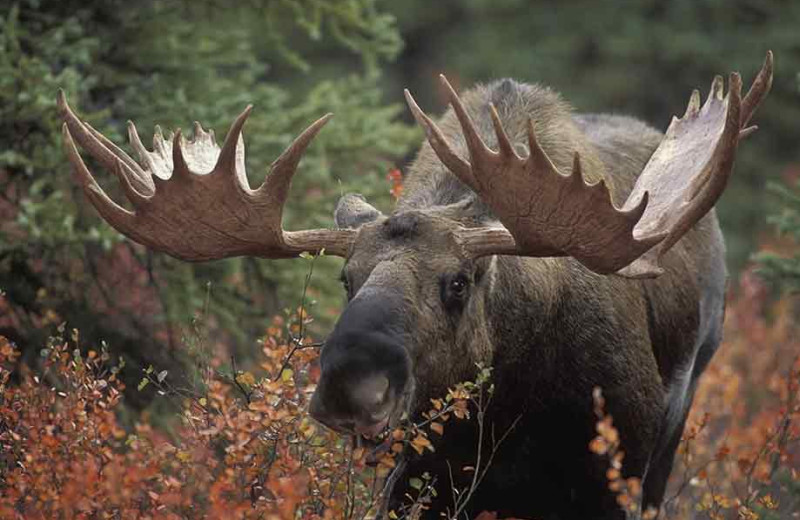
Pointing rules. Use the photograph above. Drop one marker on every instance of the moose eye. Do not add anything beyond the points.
(458, 286)
(454, 291)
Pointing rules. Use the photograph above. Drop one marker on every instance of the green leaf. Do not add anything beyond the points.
(416, 483)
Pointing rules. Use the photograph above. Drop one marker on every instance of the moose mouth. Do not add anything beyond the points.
(378, 439)
(380, 431)
(375, 430)
(375, 446)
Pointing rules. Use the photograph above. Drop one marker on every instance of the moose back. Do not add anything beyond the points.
(566, 251)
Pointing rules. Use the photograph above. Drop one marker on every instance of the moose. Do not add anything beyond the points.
(566, 251)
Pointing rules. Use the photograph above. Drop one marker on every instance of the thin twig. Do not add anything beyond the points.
(297, 342)
(241, 388)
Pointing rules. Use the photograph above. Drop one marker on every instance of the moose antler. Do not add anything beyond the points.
(192, 199)
(547, 213)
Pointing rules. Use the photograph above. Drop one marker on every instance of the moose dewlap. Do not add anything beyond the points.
(566, 251)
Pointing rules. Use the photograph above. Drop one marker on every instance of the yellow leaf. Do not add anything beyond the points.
(246, 378)
(420, 442)
(184, 456)
(598, 446)
(387, 461)
(768, 502)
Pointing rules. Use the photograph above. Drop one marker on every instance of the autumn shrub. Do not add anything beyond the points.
(739, 456)
(740, 452)
(241, 447)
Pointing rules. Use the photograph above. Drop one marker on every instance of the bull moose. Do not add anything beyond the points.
(566, 251)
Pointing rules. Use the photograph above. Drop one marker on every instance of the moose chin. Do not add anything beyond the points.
(567, 251)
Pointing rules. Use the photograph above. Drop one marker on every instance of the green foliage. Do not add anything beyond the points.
(784, 269)
(171, 62)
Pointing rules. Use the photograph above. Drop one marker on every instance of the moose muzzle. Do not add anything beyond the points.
(366, 370)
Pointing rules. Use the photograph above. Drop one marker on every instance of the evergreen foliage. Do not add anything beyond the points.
(171, 62)
(784, 269)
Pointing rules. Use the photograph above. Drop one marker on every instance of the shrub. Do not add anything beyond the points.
(242, 445)
(740, 453)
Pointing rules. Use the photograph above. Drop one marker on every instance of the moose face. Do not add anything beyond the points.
(407, 331)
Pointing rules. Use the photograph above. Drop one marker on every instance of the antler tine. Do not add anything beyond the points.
(631, 215)
(577, 169)
(730, 128)
(693, 107)
(106, 152)
(534, 149)
(757, 92)
(116, 215)
(132, 172)
(227, 156)
(480, 154)
(82, 134)
(141, 151)
(503, 142)
(179, 166)
(198, 132)
(137, 199)
(124, 157)
(538, 159)
(282, 170)
(158, 141)
(439, 143)
(716, 91)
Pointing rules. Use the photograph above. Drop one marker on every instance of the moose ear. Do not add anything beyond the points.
(353, 210)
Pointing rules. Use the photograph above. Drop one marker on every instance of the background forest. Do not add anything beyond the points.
(171, 62)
